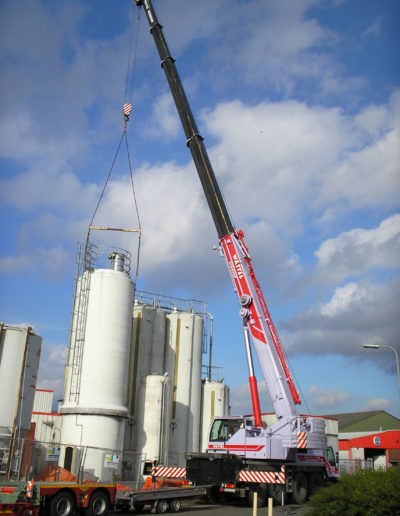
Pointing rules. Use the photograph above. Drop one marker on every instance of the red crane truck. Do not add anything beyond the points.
(291, 455)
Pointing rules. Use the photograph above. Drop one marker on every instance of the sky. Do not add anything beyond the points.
(298, 102)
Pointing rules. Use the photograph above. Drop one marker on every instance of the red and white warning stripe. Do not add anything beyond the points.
(169, 472)
(302, 440)
(29, 489)
(264, 477)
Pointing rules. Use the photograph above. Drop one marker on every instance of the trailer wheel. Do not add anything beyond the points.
(138, 506)
(175, 505)
(314, 483)
(162, 506)
(98, 504)
(62, 504)
(300, 488)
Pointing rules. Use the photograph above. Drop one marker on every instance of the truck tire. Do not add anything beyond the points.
(62, 504)
(300, 488)
(175, 505)
(261, 496)
(214, 495)
(162, 506)
(314, 483)
(275, 492)
(98, 504)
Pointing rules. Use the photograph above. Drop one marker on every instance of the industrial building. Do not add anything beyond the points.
(368, 440)
(134, 391)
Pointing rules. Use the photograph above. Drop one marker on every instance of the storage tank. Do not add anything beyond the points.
(147, 347)
(154, 418)
(95, 399)
(146, 357)
(214, 402)
(183, 365)
(19, 363)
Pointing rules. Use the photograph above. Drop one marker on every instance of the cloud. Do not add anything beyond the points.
(52, 369)
(55, 262)
(327, 398)
(375, 27)
(275, 160)
(378, 404)
(296, 161)
(240, 399)
(164, 123)
(357, 313)
(358, 251)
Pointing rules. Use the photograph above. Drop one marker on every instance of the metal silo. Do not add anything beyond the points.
(183, 364)
(146, 357)
(154, 418)
(19, 363)
(214, 402)
(95, 398)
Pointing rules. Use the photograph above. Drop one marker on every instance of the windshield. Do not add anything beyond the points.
(223, 429)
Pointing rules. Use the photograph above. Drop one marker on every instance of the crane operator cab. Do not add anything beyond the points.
(236, 435)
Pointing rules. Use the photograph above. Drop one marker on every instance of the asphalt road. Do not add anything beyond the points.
(190, 508)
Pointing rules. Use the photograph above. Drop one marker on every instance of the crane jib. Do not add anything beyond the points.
(255, 315)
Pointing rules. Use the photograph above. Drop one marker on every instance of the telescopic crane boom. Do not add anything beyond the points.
(254, 311)
(291, 431)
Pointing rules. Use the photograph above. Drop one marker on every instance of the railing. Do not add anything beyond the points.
(350, 467)
(27, 459)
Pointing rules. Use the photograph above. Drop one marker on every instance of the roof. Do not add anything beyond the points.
(371, 421)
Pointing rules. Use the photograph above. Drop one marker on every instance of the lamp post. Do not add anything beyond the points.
(377, 346)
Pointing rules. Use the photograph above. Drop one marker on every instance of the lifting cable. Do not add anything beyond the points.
(127, 107)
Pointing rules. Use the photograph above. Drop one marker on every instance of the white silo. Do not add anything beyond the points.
(214, 402)
(95, 398)
(183, 365)
(19, 363)
(154, 418)
(146, 357)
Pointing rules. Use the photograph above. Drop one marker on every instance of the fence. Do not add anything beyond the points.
(350, 467)
(26, 459)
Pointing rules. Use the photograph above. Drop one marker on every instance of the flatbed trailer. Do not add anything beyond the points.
(94, 499)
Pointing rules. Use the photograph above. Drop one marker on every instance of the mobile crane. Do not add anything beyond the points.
(242, 449)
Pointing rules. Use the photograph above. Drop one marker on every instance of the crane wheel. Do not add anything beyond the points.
(300, 488)
(261, 496)
(314, 483)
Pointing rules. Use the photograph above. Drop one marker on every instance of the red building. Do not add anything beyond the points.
(380, 449)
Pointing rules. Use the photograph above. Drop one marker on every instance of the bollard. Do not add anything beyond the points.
(255, 496)
(269, 506)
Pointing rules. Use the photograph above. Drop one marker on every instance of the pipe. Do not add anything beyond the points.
(211, 344)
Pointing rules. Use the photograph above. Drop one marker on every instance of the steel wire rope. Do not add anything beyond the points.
(136, 206)
(128, 93)
(298, 384)
(129, 88)
(108, 177)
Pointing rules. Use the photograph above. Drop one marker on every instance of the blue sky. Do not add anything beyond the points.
(298, 102)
